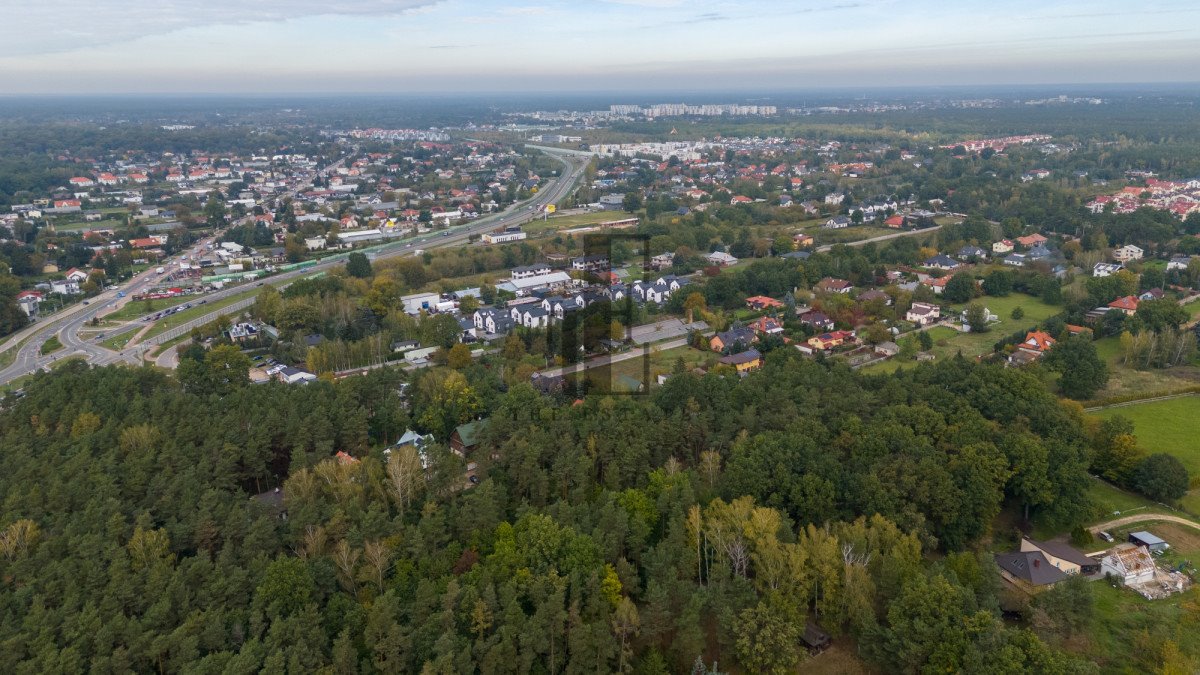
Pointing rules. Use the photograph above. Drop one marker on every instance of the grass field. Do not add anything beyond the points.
(52, 345)
(136, 309)
(948, 342)
(572, 221)
(118, 342)
(1171, 426)
(1125, 380)
(1111, 638)
(849, 234)
(1036, 311)
(661, 363)
(1193, 308)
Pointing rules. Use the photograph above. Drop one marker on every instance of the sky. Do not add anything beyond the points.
(465, 46)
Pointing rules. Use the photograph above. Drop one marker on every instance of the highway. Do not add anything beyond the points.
(66, 324)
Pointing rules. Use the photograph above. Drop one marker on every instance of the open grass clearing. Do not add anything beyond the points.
(1036, 311)
(51, 345)
(1171, 426)
(1110, 638)
(557, 223)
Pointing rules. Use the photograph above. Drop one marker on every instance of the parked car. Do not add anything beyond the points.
(1105, 536)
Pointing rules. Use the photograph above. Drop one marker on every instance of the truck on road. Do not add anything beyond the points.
(160, 270)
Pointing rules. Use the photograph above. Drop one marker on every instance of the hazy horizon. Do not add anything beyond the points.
(459, 46)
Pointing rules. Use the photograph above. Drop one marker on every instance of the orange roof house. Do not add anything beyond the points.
(1037, 343)
(1127, 305)
(762, 302)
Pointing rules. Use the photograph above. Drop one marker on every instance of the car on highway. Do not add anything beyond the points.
(87, 302)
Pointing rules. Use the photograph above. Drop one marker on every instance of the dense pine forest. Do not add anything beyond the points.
(705, 523)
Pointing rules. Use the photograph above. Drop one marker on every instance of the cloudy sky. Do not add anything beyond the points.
(118, 46)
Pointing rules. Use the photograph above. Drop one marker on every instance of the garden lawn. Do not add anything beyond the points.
(1171, 426)
(1036, 311)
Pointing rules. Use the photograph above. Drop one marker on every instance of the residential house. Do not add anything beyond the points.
(835, 198)
(827, 341)
(1002, 246)
(969, 252)
(1031, 240)
(531, 316)
(77, 275)
(1062, 556)
(1129, 563)
(402, 346)
(941, 262)
(242, 332)
(887, 349)
(767, 325)
(1038, 252)
(1015, 259)
(731, 338)
(29, 302)
(837, 223)
(923, 313)
(720, 259)
(1103, 269)
(527, 271)
(1152, 294)
(1179, 262)
(1030, 571)
(744, 362)
(801, 240)
(662, 260)
(466, 437)
(65, 287)
(559, 307)
(817, 320)
(831, 285)
(1127, 305)
(873, 295)
(290, 375)
(590, 263)
(895, 222)
(1127, 252)
(763, 302)
(1036, 343)
(936, 284)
